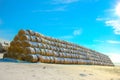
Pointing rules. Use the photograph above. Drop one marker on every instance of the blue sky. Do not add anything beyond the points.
(91, 23)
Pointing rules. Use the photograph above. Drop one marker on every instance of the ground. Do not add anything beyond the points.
(42, 71)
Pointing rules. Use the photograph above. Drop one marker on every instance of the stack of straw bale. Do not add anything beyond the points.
(34, 47)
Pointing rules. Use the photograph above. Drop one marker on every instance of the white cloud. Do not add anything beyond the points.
(113, 18)
(76, 32)
(117, 9)
(64, 1)
(115, 24)
(113, 42)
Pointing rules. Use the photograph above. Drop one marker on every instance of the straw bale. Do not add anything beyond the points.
(52, 60)
(31, 32)
(12, 43)
(40, 45)
(57, 60)
(16, 38)
(25, 37)
(37, 51)
(36, 34)
(29, 50)
(23, 32)
(18, 43)
(56, 54)
(32, 58)
(33, 39)
(42, 51)
(38, 39)
(61, 54)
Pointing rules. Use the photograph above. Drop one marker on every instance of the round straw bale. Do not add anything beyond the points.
(36, 34)
(52, 60)
(29, 50)
(57, 60)
(33, 39)
(40, 45)
(66, 60)
(51, 53)
(38, 39)
(56, 54)
(32, 58)
(18, 43)
(23, 32)
(44, 59)
(31, 32)
(25, 37)
(62, 60)
(42, 51)
(16, 38)
(61, 54)
(37, 50)
(26, 43)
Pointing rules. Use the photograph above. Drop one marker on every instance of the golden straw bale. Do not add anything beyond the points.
(18, 43)
(37, 50)
(51, 53)
(43, 59)
(65, 55)
(36, 34)
(57, 60)
(66, 60)
(12, 43)
(61, 54)
(25, 37)
(32, 58)
(38, 39)
(23, 32)
(62, 60)
(42, 51)
(26, 43)
(35, 44)
(16, 38)
(56, 54)
(29, 50)
(52, 59)
(31, 32)
(33, 39)
(40, 45)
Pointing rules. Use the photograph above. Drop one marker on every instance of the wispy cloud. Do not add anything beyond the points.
(57, 9)
(113, 42)
(112, 19)
(77, 32)
(107, 41)
(64, 1)
(115, 24)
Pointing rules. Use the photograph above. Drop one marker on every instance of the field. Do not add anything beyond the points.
(42, 71)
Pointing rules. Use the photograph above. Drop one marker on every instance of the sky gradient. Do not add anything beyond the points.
(94, 24)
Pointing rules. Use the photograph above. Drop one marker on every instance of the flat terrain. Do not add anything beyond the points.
(40, 71)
